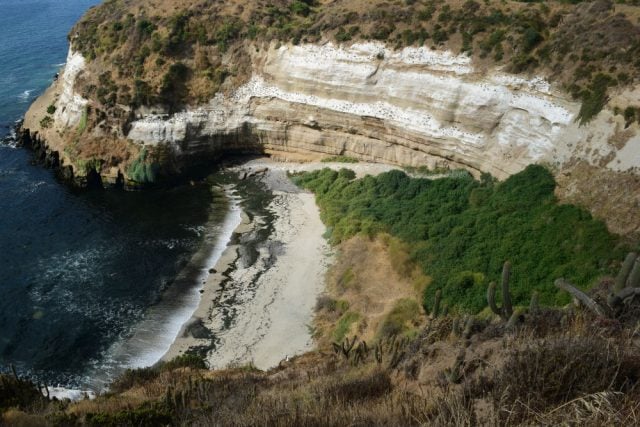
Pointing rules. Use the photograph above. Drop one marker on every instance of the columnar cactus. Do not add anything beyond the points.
(506, 310)
(627, 285)
(534, 305)
(634, 277)
(630, 264)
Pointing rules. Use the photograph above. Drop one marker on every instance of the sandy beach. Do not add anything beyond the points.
(259, 309)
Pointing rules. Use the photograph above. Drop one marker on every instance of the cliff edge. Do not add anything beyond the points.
(150, 90)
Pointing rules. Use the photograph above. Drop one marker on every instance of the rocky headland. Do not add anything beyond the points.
(369, 99)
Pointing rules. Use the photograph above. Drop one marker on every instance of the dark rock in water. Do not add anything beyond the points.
(212, 271)
(52, 160)
(201, 291)
(94, 180)
(43, 155)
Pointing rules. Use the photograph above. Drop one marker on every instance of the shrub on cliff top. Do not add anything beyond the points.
(17, 393)
(173, 90)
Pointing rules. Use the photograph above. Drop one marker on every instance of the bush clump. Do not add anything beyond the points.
(46, 122)
(460, 231)
(400, 319)
(142, 170)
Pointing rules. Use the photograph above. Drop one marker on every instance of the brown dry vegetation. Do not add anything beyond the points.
(370, 280)
(160, 55)
(556, 367)
(605, 191)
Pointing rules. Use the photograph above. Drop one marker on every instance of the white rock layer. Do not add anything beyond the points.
(414, 107)
(70, 105)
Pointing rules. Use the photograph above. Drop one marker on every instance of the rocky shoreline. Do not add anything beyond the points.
(257, 305)
(51, 159)
(258, 300)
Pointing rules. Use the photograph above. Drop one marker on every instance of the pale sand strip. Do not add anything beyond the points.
(272, 299)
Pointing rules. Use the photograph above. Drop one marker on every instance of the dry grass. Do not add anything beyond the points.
(366, 281)
(563, 375)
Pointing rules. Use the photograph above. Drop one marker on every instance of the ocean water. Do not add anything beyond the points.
(90, 282)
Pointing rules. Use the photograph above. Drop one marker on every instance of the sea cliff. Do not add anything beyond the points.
(372, 100)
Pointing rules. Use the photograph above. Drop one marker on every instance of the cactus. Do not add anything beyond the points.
(454, 375)
(456, 327)
(13, 371)
(515, 318)
(347, 346)
(627, 284)
(378, 353)
(436, 304)
(625, 270)
(469, 327)
(534, 305)
(634, 277)
(583, 298)
(506, 310)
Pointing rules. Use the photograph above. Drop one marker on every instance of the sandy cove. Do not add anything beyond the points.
(259, 309)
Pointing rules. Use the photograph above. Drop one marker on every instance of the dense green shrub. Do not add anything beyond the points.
(399, 319)
(340, 159)
(141, 417)
(46, 122)
(228, 31)
(300, 7)
(17, 393)
(594, 98)
(133, 377)
(629, 115)
(530, 39)
(173, 89)
(142, 93)
(461, 231)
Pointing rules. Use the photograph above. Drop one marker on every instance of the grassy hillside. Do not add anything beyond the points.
(460, 231)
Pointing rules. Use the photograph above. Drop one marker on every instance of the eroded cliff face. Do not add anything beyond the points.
(412, 107)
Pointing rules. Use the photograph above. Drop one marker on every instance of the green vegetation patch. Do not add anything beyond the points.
(460, 230)
(400, 319)
(82, 126)
(46, 122)
(142, 170)
(344, 324)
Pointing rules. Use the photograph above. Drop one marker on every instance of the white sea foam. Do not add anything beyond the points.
(26, 95)
(152, 337)
(62, 393)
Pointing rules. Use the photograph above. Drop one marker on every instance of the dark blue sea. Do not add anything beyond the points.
(90, 282)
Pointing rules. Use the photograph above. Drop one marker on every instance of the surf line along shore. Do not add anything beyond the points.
(257, 304)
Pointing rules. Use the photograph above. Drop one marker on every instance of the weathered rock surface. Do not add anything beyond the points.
(410, 107)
